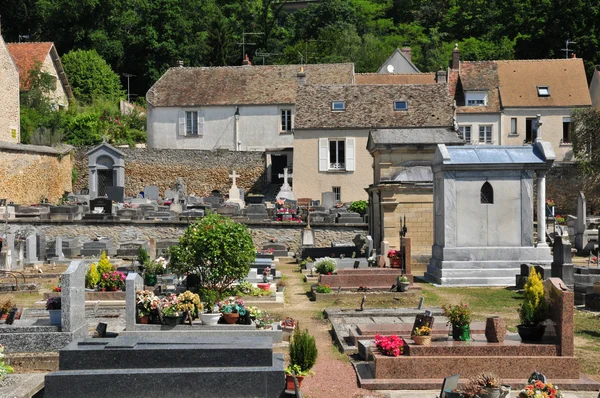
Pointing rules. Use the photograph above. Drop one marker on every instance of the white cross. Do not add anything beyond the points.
(233, 175)
(285, 176)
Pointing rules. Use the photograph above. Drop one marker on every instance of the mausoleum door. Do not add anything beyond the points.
(105, 179)
(278, 163)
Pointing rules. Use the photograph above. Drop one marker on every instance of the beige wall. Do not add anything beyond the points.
(309, 182)
(58, 96)
(26, 176)
(552, 128)
(9, 97)
(475, 120)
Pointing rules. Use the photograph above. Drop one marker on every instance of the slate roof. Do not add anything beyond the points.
(492, 154)
(371, 106)
(241, 85)
(398, 78)
(414, 136)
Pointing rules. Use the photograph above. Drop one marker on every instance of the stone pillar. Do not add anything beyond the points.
(92, 182)
(133, 283)
(541, 208)
(73, 297)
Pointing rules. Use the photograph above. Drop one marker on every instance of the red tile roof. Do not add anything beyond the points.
(26, 55)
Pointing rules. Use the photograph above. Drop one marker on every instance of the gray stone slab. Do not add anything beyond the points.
(387, 319)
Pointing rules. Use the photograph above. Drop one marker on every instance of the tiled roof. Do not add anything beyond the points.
(565, 78)
(26, 55)
(371, 106)
(478, 76)
(415, 136)
(241, 85)
(390, 78)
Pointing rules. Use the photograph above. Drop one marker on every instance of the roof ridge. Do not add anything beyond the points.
(396, 74)
(255, 66)
(522, 60)
(30, 42)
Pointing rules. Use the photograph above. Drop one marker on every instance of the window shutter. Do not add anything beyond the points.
(323, 154)
(181, 124)
(350, 155)
(200, 124)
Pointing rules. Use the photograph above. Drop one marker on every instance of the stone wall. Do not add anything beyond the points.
(28, 172)
(202, 171)
(133, 230)
(563, 184)
(9, 100)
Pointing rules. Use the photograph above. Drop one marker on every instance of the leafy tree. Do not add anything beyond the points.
(91, 77)
(585, 130)
(216, 249)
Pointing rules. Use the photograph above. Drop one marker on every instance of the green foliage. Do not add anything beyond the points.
(4, 368)
(359, 206)
(325, 265)
(323, 288)
(216, 249)
(104, 265)
(303, 349)
(91, 77)
(74, 175)
(534, 308)
(458, 315)
(585, 131)
(92, 277)
(143, 257)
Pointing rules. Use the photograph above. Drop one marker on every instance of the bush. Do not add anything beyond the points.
(303, 350)
(534, 308)
(104, 266)
(359, 206)
(143, 256)
(325, 265)
(92, 277)
(323, 288)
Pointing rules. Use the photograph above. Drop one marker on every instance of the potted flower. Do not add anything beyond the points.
(394, 256)
(5, 308)
(232, 309)
(112, 281)
(53, 305)
(143, 303)
(303, 356)
(264, 320)
(390, 345)
(280, 285)
(190, 302)
(460, 317)
(171, 310)
(212, 315)
(540, 388)
(323, 288)
(533, 310)
(372, 261)
(489, 385)
(151, 268)
(266, 273)
(403, 283)
(422, 335)
(325, 266)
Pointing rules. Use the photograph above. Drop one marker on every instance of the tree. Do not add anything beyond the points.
(91, 77)
(585, 130)
(216, 249)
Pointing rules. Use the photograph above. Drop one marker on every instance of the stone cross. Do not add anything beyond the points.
(538, 125)
(233, 176)
(285, 176)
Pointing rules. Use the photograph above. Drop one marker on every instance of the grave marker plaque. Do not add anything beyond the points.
(422, 320)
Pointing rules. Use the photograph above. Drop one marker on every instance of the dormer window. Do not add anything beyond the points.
(476, 98)
(338, 106)
(400, 105)
(543, 91)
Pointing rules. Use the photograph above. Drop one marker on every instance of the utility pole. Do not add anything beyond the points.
(128, 75)
(566, 49)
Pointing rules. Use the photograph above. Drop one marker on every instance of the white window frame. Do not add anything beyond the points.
(476, 98)
(487, 138)
(326, 164)
(461, 132)
(197, 123)
(514, 124)
(288, 123)
(337, 191)
(338, 106)
(397, 106)
(335, 164)
(543, 91)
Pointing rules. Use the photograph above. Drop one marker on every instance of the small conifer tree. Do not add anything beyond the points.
(92, 277)
(303, 350)
(104, 266)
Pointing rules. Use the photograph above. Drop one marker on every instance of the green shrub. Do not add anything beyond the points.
(143, 256)
(104, 266)
(534, 308)
(323, 288)
(303, 349)
(92, 277)
(325, 265)
(359, 206)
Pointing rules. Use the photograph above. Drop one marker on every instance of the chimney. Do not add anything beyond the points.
(573, 55)
(301, 75)
(246, 61)
(441, 76)
(407, 52)
(455, 57)
(180, 63)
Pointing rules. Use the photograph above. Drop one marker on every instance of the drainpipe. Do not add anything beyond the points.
(236, 129)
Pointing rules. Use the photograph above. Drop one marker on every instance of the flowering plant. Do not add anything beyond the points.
(323, 288)
(539, 389)
(266, 271)
(254, 311)
(550, 202)
(458, 315)
(422, 331)
(390, 345)
(232, 305)
(162, 263)
(53, 303)
(559, 219)
(325, 265)
(57, 289)
(263, 320)
(169, 305)
(289, 322)
(143, 302)
(393, 253)
(113, 279)
(268, 251)
(189, 301)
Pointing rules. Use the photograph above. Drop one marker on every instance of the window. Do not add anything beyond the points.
(543, 91)
(286, 120)
(485, 134)
(338, 193)
(400, 105)
(476, 98)
(487, 194)
(465, 133)
(566, 130)
(337, 154)
(191, 123)
(530, 129)
(513, 126)
(338, 106)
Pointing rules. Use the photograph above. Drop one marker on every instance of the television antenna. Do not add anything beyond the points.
(566, 49)
(244, 43)
(128, 75)
(264, 55)
(26, 37)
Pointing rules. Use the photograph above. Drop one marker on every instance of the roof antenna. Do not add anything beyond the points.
(566, 49)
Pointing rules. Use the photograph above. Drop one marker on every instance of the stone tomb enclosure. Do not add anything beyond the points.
(373, 278)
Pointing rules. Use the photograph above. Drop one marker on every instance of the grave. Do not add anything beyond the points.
(95, 248)
(162, 245)
(584, 280)
(257, 212)
(40, 246)
(116, 194)
(130, 214)
(100, 209)
(285, 192)
(192, 214)
(562, 265)
(31, 212)
(328, 200)
(583, 230)
(31, 251)
(69, 247)
(279, 249)
(151, 192)
(65, 213)
(322, 217)
(234, 192)
(130, 249)
(373, 278)
(336, 252)
(349, 218)
(161, 215)
(7, 212)
(106, 169)
(229, 209)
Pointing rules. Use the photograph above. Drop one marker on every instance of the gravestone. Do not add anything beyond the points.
(31, 250)
(11, 247)
(234, 193)
(116, 194)
(256, 212)
(328, 199)
(192, 214)
(349, 217)
(130, 214)
(160, 215)
(101, 206)
(214, 201)
(130, 249)
(95, 248)
(286, 190)
(562, 265)
(580, 223)
(229, 209)
(279, 249)
(369, 246)
(151, 192)
(58, 253)
(40, 243)
(308, 237)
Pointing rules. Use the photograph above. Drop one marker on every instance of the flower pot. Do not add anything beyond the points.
(461, 333)
(113, 289)
(264, 286)
(289, 382)
(149, 280)
(531, 333)
(231, 318)
(403, 286)
(452, 394)
(395, 262)
(144, 320)
(495, 330)
(210, 319)
(4, 316)
(55, 317)
(173, 320)
(102, 289)
(491, 393)
(281, 289)
(422, 340)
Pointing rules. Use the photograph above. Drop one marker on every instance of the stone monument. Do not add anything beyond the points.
(286, 190)
(234, 192)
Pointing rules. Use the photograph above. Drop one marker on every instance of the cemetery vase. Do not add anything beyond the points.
(395, 262)
(422, 340)
(264, 286)
(491, 393)
(452, 394)
(144, 320)
(55, 317)
(403, 286)
(289, 382)
(210, 319)
(231, 318)
(495, 330)
(149, 280)
(173, 320)
(281, 289)
(531, 333)
(461, 333)
(3, 316)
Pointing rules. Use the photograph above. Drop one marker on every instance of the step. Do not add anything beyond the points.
(469, 281)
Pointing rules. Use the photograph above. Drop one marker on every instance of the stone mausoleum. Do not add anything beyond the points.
(483, 213)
